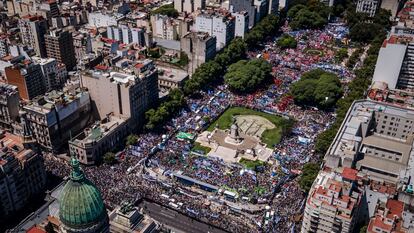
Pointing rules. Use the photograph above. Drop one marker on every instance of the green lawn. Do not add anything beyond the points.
(269, 136)
(251, 164)
(197, 146)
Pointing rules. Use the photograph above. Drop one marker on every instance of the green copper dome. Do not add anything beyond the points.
(81, 204)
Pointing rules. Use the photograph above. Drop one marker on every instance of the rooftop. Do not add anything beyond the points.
(98, 130)
(12, 144)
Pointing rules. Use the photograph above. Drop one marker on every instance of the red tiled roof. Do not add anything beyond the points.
(395, 207)
(349, 173)
(35, 229)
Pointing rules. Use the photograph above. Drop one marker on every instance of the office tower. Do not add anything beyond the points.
(28, 78)
(33, 30)
(59, 45)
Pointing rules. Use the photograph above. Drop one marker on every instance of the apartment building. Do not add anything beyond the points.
(388, 217)
(33, 30)
(128, 35)
(164, 27)
(99, 19)
(58, 116)
(128, 94)
(101, 137)
(22, 174)
(9, 105)
(369, 7)
(59, 45)
(189, 6)
(28, 78)
(241, 23)
(82, 43)
(199, 47)
(54, 74)
(222, 27)
(333, 203)
(240, 6)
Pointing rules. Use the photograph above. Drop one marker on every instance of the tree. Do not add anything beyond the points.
(365, 32)
(317, 88)
(167, 10)
(363, 229)
(109, 158)
(132, 139)
(309, 173)
(246, 76)
(306, 19)
(286, 41)
(174, 101)
(341, 54)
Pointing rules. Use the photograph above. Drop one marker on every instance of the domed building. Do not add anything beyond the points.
(81, 208)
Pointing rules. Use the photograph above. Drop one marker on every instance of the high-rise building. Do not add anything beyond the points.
(28, 78)
(199, 47)
(9, 105)
(59, 45)
(242, 5)
(222, 27)
(33, 30)
(369, 7)
(164, 27)
(4, 45)
(241, 23)
(82, 43)
(58, 116)
(262, 9)
(81, 208)
(22, 174)
(123, 94)
(54, 73)
(189, 6)
(333, 203)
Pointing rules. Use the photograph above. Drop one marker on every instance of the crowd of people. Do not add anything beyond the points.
(274, 184)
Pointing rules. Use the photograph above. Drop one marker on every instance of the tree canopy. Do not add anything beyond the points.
(317, 88)
(309, 174)
(246, 76)
(364, 28)
(167, 10)
(131, 139)
(313, 15)
(109, 158)
(286, 41)
(356, 90)
(172, 104)
(341, 54)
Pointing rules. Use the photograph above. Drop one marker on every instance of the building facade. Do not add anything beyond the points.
(28, 78)
(126, 95)
(199, 47)
(33, 30)
(222, 27)
(58, 116)
(333, 204)
(103, 136)
(59, 45)
(369, 7)
(9, 105)
(54, 73)
(22, 174)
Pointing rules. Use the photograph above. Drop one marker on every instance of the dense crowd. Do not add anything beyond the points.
(161, 154)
